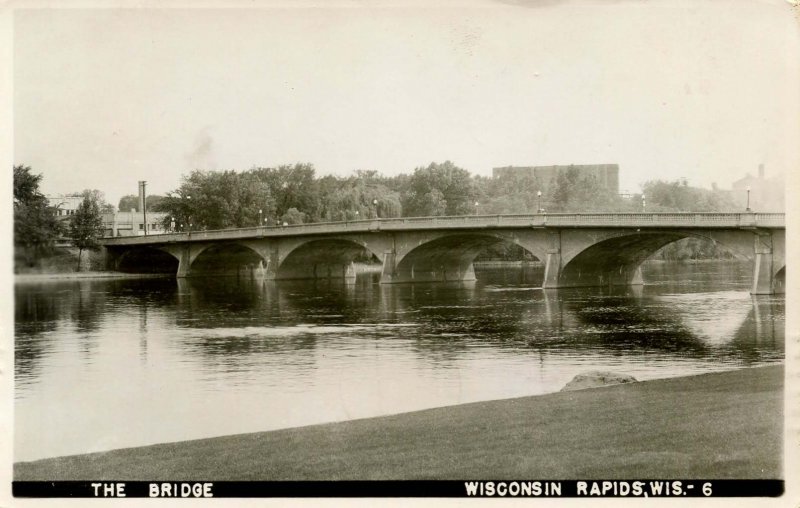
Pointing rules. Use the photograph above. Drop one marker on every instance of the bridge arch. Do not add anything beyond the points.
(325, 258)
(224, 259)
(146, 260)
(779, 281)
(450, 256)
(616, 257)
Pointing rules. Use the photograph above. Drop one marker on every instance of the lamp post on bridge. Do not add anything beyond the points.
(538, 201)
(644, 204)
(259, 216)
(748, 199)
(476, 207)
(189, 213)
(375, 207)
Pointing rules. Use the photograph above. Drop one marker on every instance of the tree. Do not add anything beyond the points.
(35, 225)
(218, 200)
(86, 226)
(680, 197)
(293, 216)
(439, 189)
(292, 186)
(576, 191)
(131, 202)
(98, 197)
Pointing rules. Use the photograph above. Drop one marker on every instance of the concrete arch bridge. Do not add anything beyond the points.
(595, 249)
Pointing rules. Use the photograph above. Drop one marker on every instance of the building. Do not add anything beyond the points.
(65, 204)
(119, 223)
(606, 174)
(765, 194)
(132, 223)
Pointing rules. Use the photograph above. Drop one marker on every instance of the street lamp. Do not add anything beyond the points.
(172, 224)
(259, 216)
(375, 205)
(538, 201)
(644, 203)
(748, 198)
(476, 207)
(189, 213)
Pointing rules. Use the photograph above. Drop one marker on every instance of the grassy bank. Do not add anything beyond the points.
(721, 425)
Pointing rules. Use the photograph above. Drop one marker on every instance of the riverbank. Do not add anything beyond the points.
(719, 425)
(55, 277)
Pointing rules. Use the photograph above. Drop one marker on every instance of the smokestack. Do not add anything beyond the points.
(143, 203)
(141, 195)
(760, 171)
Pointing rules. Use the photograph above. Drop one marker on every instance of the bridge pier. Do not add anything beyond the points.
(388, 271)
(552, 270)
(184, 262)
(763, 275)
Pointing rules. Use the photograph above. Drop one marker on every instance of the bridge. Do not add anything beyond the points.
(586, 249)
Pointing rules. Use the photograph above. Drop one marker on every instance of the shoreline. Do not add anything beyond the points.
(716, 425)
(22, 278)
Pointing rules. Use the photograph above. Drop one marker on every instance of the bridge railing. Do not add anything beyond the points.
(638, 220)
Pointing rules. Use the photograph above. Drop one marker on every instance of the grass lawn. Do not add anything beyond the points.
(721, 425)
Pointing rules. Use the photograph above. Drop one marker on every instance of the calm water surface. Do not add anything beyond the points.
(110, 364)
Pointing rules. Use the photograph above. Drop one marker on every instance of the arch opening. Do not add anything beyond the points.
(452, 257)
(618, 260)
(328, 259)
(147, 260)
(230, 259)
(779, 285)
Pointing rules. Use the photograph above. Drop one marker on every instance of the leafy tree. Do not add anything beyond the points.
(35, 225)
(292, 186)
(680, 197)
(576, 191)
(86, 226)
(131, 202)
(98, 197)
(365, 193)
(293, 216)
(439, 189)
(218, 200)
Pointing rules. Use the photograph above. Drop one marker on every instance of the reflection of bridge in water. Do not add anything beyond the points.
(577, 249)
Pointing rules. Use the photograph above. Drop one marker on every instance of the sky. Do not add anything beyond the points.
(703, 90)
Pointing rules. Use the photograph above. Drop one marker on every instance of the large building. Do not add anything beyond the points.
(130, 223)
(760, 193)
(64, 204)
(606, 174)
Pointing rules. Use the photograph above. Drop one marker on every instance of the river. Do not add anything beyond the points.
(105, 364)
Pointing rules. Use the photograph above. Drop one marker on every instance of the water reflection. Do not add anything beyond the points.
(203, 357)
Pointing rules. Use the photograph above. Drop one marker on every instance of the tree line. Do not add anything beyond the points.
(294, 194)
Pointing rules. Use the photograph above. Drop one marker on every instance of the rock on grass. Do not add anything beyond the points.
(597, 378)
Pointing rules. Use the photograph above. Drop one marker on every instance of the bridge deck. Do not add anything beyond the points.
(571, 220)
